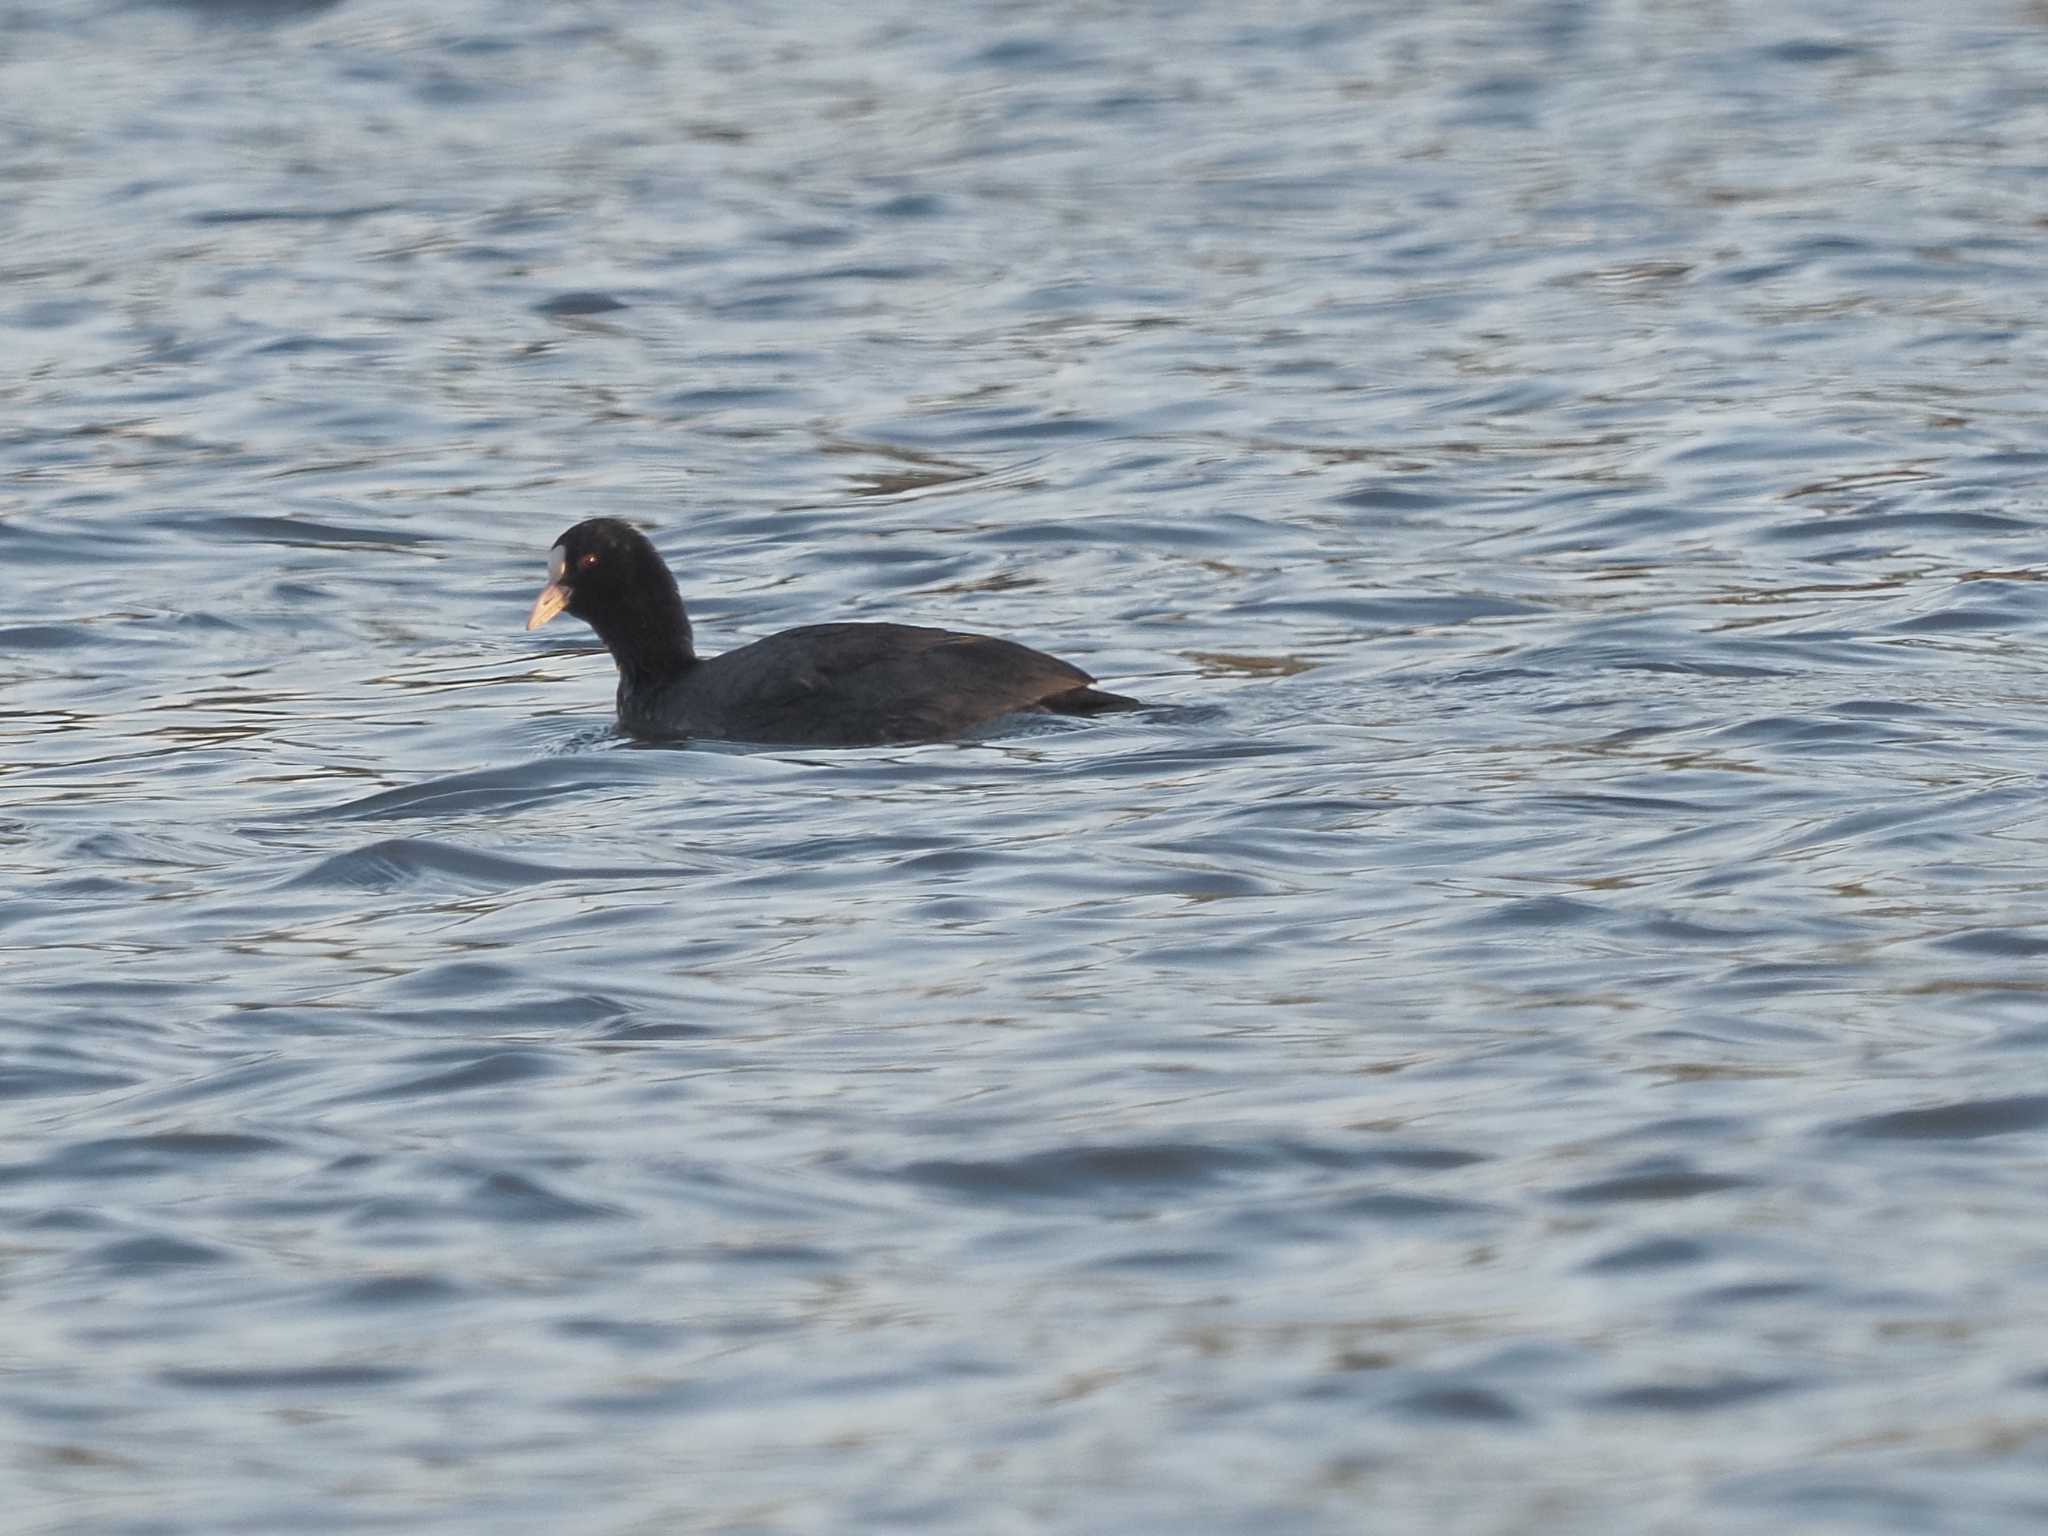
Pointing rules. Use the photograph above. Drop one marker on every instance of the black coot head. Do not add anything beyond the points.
(609, 575)
(600, 568)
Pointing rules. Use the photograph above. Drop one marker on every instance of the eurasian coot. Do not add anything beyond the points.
(842, 685)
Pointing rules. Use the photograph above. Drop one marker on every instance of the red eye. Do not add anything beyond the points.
(586, 562)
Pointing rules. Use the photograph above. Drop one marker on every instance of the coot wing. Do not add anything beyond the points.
(863, 683)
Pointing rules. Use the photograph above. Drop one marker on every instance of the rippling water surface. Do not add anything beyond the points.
(1541, 1031)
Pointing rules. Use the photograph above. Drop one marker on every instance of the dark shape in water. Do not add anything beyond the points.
(836, 685)
(578, 302)
(255, 13)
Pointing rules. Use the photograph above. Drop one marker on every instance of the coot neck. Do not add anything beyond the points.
(649, 639)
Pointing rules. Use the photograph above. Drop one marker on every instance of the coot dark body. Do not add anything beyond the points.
(843, 685)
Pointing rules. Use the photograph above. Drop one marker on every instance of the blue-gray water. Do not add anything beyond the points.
(1544, 1033)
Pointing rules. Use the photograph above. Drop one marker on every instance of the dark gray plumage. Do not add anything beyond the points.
(818, 685)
